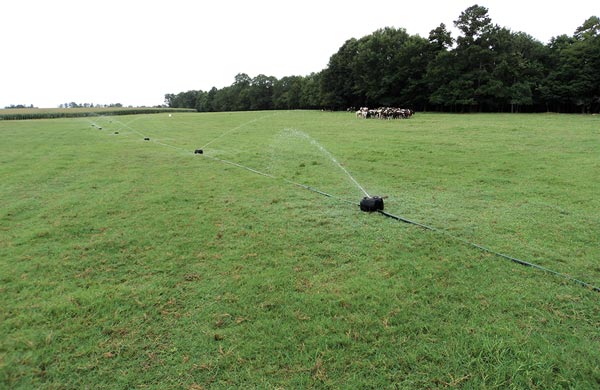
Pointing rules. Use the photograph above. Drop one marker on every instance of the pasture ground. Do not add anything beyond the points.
(127, 263)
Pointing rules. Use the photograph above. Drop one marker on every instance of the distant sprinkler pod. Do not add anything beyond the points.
(198, 151)
(146, 139)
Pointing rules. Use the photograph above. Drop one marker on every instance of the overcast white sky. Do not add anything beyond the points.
(134, 52)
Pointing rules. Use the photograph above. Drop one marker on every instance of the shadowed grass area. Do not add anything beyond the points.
(127, 263)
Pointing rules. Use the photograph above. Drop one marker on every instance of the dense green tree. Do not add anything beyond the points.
(473, 61)
(440, 70)
(240, 92)
(440, 39)
(473, 22)
(210, 99)
(261, 92)
(202, 101)
(377, 66)
(584, 55)
(486, 68)
(287, 92)
(521, 70)
(412, 88)
(386, 63)
(338, 79)
(312, 96)
(183, 99)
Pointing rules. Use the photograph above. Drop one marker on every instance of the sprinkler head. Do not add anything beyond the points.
(370, 204)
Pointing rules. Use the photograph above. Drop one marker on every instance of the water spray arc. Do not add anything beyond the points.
(236, 129)
(326, 152)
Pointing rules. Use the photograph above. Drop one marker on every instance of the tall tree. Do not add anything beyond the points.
(381, 67)
(440, 39)
(261, 92)
(240, 91)
(473, 22)
(441, 69)
(585, 57)
(311, 96)
(473, 58)
(287, 92)
(338, 79)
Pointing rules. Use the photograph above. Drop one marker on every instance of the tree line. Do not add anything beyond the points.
(89, 105)
(486, 68)
(258, 93)
(18, 106)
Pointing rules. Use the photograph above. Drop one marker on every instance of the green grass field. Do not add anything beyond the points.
(130, 264)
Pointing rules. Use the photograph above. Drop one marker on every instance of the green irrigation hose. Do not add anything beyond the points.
(488, 250)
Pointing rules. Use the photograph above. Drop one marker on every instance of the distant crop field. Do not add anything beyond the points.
(133, 263)
(51, 113)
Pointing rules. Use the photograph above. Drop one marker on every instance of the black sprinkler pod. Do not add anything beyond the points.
(198, 151)
(146, 139)
(371, 204)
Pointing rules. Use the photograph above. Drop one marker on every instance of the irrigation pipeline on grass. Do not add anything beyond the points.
(256, 171)
(368, 204)
(491, 251)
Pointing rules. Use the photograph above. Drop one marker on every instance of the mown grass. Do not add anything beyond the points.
(133, 264)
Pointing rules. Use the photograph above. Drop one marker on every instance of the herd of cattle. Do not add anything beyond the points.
(384, 113)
